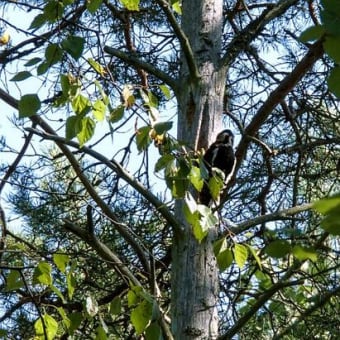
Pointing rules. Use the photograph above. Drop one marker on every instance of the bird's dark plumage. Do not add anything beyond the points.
(220, 154)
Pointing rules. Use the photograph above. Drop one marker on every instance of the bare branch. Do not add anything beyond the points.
(137, 62)
(279, 215)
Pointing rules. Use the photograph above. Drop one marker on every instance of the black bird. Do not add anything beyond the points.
(220, 154)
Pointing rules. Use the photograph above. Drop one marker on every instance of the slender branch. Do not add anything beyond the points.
(263, 298)
(122, 228)
(242, 40)
(117, 168)
(276, 97)
(104, 252)
(320, 300)
(278, 215)
(137, 62)
(183, 39)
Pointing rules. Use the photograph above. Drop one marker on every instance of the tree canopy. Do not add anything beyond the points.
(108, 106)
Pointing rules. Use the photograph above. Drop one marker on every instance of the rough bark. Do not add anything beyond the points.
(194, 271)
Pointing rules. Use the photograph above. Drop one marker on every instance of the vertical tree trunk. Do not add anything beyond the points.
(194, 271)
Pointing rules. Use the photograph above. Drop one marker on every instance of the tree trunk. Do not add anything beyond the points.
(194, 271)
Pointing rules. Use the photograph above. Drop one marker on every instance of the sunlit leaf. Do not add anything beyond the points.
(305, 253)
(42, 273)
(131, 5)
(240, 254)
(99, 110)
(97, 67)
(195, 178)
(81, 105)
(61, 261)
(86, 130)
(50, 325)
(141, 316)
(127, 96)
(253, 252)
(166, 91)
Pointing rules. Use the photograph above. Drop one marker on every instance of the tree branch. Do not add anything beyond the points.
(265, 296)
(183, 39)
(137, 62)
(117, 168)
(122, 228)
(276, 97)
(278, 215)
(242, 40)
(320, 300)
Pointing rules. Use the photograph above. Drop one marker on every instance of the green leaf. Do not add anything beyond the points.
(215, 186)
(42, 274)
(334, 81)
(131, 5)
(100, 333)
(38, 21)
(153, 332)
(164, 161)
(93, 5)
(71, 284)
(99, 109)
(58, 293)
(143, 139)
(305, 253)
(61, 261)
(72, 127)
(331, 223)
(141, 316)
(13, 281)
(116, 306)
(224, 259)
(33, 61)
(53, 10)
(133, 295)
(253, 252)
(312, 33)
(195, 178)
(166, 91)
(51, 327)
(21, 76)
(75, 320)
(278, 248)
(53, 54)
(81, 105)
(117, 114)
(162, 127)
(42, 68)
(176, 6)
(96, 66)
(332, 47)
(240, 254)
(327, 205)
(74, 46)
(29, 105)
(87, 127)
